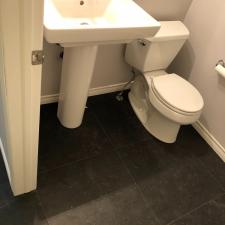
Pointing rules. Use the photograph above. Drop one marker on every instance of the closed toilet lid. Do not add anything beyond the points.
(178, 93)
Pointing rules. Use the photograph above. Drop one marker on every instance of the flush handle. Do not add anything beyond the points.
(142, 42)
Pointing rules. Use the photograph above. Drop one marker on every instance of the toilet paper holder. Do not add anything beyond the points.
(221, 62)
(220, 68)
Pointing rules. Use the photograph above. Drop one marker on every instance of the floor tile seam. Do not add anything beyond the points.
(143, 195)
(102, 127)
(137, 187)
(132, 144)
(195, 209)
(68, 164)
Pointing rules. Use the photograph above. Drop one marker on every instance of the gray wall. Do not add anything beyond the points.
(198, 58)
(110, 66)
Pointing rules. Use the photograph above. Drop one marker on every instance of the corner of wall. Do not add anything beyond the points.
(2, 149)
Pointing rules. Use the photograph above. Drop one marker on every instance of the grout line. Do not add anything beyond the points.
(101, 126)
(67, 164)
(125, 166)
(137, 186)
(195, 209)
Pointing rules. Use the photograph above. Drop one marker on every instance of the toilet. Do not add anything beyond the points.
(162, 102)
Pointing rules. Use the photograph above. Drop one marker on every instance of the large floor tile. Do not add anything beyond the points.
(191, 142)
(131, 209)
(212, 213)
(96, 212)
(123, 207)
(24, 210)
(215, 165)
(59, 146)
(83, 182)
(66, 188)
(118, 120)
(173, 185)
(110, 173)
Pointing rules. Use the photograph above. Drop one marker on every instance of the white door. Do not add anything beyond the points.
(21, 33)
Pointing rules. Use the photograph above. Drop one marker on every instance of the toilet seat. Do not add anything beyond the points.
(175, 98)
(177, 93)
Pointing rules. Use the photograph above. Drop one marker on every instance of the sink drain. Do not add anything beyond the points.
(84, 23)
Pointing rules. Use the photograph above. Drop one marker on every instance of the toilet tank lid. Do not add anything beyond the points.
(170, 30)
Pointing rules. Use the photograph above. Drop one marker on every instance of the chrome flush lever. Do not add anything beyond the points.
(142, 42)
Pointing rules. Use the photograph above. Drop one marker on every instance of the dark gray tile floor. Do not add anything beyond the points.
(110, 171)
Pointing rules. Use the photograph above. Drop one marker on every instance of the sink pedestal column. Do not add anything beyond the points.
(77, 71)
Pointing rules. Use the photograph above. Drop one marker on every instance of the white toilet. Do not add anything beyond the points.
(163, 102)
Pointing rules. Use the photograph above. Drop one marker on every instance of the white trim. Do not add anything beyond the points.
(5, 160)
(47, 99)
(22, 29)
(210, 139)
(107, 89)
(32, 23)
(11, 30)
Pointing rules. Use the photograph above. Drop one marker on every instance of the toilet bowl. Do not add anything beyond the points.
(163, 102)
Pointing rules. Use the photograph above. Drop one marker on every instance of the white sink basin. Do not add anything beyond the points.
(80, 26)
(76, 22)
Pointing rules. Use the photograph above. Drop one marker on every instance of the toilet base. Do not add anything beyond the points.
(155, 123)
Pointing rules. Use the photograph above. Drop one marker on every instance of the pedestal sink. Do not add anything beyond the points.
(80, 26)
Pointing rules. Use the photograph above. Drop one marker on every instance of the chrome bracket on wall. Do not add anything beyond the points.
(37, 57)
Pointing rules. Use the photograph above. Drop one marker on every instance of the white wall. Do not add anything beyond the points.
(2, 122)
(110, 66)
(197, 60)
(2, 102)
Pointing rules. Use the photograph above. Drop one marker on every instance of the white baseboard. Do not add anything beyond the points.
(47, 99)
(210, 139)
(5, 160)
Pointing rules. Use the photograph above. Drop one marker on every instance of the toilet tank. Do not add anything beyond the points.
(157, 53)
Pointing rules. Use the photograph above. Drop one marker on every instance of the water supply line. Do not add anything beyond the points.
(119, 96)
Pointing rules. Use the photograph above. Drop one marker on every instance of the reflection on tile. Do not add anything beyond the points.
(97, 212)
(24, 210)
(123, 207)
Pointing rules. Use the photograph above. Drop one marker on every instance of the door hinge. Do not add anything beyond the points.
(37, 57)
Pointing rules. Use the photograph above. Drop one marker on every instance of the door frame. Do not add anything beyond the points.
(22, 25)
